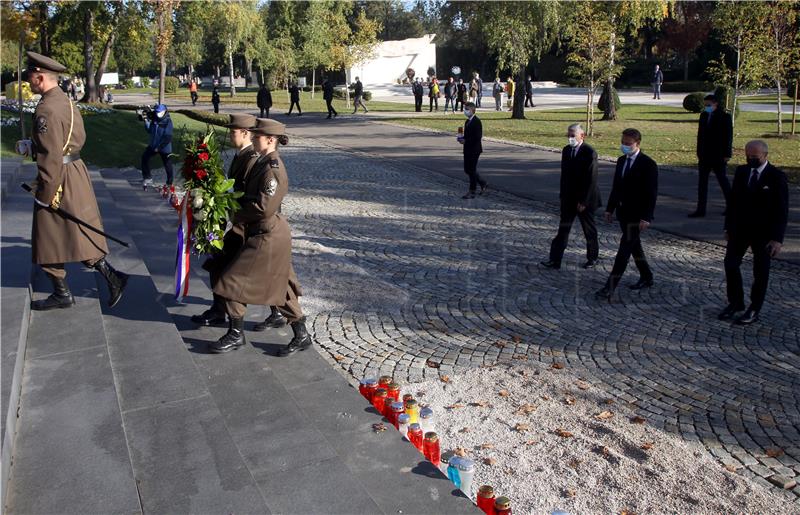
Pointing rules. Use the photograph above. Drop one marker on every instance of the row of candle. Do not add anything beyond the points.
(417, 425)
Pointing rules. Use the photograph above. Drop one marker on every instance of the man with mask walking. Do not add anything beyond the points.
(714, 145)
(160, 129)
(471, 140)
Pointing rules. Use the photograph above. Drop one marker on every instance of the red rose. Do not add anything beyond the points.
(203, 145)
(203, 156)
(201, 174)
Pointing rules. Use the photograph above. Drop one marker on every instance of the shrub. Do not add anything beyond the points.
(128, 83)
(693, 102)
(686, 86)
(126, 107)
(601, 104)
(367, 95)
(171, 84)
(205, 116)
(145, 82)
(725, 96)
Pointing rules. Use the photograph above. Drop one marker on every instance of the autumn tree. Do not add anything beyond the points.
(783, 46)
(164, 10)
(355, 44)
(688, 26)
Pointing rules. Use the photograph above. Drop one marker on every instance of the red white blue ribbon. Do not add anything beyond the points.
(184, 250)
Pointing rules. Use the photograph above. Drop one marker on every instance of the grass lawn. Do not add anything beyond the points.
(767, 99)
(668, 134)
(113, 140)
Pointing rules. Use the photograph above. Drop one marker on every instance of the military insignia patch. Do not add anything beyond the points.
(271, 187)
(273, 163)
(41, 125)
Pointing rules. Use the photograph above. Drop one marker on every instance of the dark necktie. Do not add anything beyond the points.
(574, 152)
(753, 179)
(627, 167)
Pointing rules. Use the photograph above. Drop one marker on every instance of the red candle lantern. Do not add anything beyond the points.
(502, 506)
(407, 397)
(415, 436)
(393, 391)
(378, 398)
(397, 409)
(384, 382)
(367, 387)
(430, 447)
(386, 410)
(486, 499)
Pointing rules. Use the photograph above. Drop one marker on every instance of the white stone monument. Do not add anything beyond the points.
(393, 58)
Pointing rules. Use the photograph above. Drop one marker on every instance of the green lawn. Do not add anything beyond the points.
(669, 134)
(767, 99)
(117, 139)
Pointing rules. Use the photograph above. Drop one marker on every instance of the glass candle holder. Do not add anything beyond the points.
(393, 391)
(426, 420)
(387, 407)
(378, 398)
(407, 397)
(397, 409)
(502, 506)
(431, 449)
(452, 471)
(367, 387)
(384, 382)
(402, 424)
(486, 499)
(415, 436)
(412, 410)
(466, 471)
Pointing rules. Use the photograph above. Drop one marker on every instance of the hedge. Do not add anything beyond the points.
(171, 84)
(686, 86)
(205, 116)
(339, 94)
(601, 104)
(693, 102)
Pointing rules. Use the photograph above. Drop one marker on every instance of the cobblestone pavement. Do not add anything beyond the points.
(401, 274)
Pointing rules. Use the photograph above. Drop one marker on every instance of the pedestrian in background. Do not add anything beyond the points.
(418, 91)
(510, 91)
(658, 79)
(757, 215)
(294, 98)
(479, 90)
(461, 94)
(264, 100)
(579, 196)
(327, 95)
(529, 92)
(193, 91)
(633, 197)
(433, 94)
(497, 93)
(473, 147)
(358, 92)
(449, 95)
(215, 99)
(714, 148)
(473, 90)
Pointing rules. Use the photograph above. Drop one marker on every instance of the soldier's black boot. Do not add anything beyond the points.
(59, 299)
(115, 280)
(275, 320)
(214, 316)
(301, 340)
(232, 340)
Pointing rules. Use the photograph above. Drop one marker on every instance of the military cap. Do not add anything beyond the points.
(268, 127)
(42, 63)
(241, 121)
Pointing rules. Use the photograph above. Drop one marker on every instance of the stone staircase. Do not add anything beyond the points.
(123, 410)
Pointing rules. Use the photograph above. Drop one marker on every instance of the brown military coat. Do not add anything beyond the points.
(262, 272)
(55, 239)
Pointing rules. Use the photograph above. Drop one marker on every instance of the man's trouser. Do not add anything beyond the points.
(586, 218)
(148, 153)
(720, 169)
(630, 244)
(737, 247)
(471, 169)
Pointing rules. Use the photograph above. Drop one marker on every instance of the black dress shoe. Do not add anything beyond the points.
(555, 265)
(590, 263)
(274, 320)
(209, 318)
(301, 341)
(697, 214)
(729, 312)
(232, 340)
(750, 316)
(603, 293)
(641, 284)
(484, 188)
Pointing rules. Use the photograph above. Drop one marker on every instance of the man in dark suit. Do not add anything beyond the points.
(579, 196)
(758, 211)
(418, 91)
(264, 100)
(714, 142)
(471, 139)
(327, 95)
(633, 197)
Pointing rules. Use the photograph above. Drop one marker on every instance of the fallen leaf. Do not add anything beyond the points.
(464, 430)
(604, 451)
(432, 364)
(445, 379)
(521, 428)
(583, 385)
(454, 406)
(573, 463)
(531, 442)
(517, 339)
(510, 471)
(626, 512)
(496, 326)
(521, 357)
(563, 433)
(487, 446)
(569, 401)
(460, 451)
(526, 409)
(379, 427)
(647, 446)
(420, 395)
(338, 358)
(500, 345)
(479, 404)
(503, 393)
(604, 415)
(557, 366)
(489, 461)
(730, 468)
(609, 401)
(569, 492)
(774, 452)
(637, 420)
(545, 398)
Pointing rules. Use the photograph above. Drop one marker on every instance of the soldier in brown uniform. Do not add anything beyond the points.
(63, 181)
(262, 272)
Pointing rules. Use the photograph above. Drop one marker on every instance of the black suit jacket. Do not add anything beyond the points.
(634, 196)
(715, 137)
(761, 212)
(579, 178)
(264, 98)
(327, 91)
(473, 134)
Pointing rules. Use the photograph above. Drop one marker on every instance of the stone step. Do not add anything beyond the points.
(304, 433)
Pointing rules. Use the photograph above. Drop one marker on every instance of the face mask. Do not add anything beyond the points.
(626, 149)
(161, 114)
(467, 113)
(709, 109)
(753, 162)
(573, 142)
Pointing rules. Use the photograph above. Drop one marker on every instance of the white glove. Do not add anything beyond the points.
(24, 147)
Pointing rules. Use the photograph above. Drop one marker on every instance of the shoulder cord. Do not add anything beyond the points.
(71, 125)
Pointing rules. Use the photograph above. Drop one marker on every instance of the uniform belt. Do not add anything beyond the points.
(69, 158)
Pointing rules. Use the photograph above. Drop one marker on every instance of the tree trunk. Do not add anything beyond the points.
(518, 108)
(794, 105)
(191, 72)
(230, 66)
(589, 109)
(686, 67)
(101, 68)
(19, 84)
(162, 75)
(44, 36)
(90, 95)
(248, 64)
(610, 111)
(736, 82)
(780, 110)
(346, 88)
(313, 81)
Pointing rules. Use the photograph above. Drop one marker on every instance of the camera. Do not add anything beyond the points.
(147, 112)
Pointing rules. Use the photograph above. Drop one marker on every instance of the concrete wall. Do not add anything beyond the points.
(392, 58)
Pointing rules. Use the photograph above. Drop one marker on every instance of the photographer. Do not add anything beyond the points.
(158, 123)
